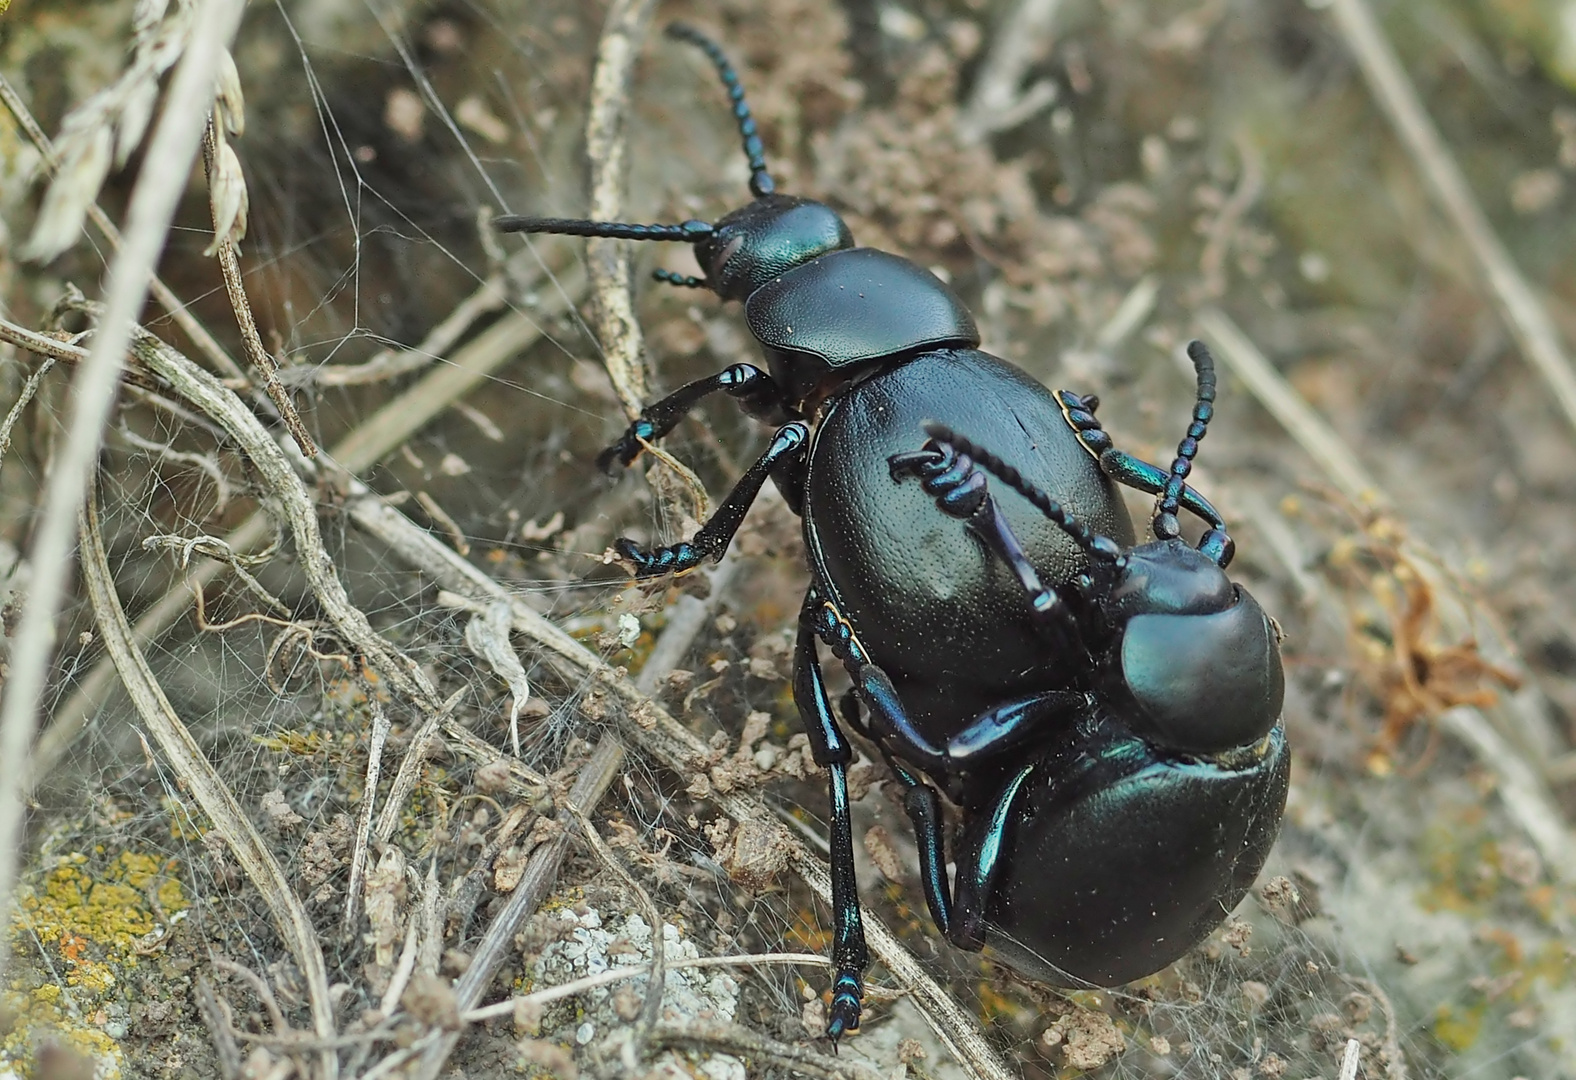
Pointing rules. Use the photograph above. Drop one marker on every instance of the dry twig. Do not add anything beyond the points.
(608, 260)
(235, 288)
(632, 971)
(744, 1043)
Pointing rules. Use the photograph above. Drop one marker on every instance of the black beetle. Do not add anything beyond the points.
(1112, 739)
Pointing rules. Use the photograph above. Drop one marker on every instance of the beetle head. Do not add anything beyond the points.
(1195, 653)
(761, 240)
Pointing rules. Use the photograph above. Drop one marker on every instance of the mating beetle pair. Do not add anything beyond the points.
(1105, 715)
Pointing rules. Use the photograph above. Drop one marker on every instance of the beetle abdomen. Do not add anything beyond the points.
(1130, 875)
(927, 599)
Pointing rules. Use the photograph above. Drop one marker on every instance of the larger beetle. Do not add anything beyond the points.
(1104, 715)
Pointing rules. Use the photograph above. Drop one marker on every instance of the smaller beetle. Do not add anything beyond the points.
(1108, 824)
(1111, 738)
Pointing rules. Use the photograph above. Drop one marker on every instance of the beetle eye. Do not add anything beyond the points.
(1207, 683)
(729, 250)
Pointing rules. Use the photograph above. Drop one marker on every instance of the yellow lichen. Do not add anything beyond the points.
(92, 919)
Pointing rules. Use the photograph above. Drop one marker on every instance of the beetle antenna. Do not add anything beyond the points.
(1165, 523)
(761, 183)
(1092, 543)
(689, 232)
(683, 281)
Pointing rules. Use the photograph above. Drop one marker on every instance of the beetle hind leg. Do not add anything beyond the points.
(924, 812)
(830, 749)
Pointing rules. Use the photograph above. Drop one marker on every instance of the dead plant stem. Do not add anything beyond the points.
(261, 359)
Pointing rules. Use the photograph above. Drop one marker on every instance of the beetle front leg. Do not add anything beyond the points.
(961, 491)
(756, 392)
(831, 751)
(714, 537)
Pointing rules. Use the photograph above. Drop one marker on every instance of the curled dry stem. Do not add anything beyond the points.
(235, 288)
(199, 777)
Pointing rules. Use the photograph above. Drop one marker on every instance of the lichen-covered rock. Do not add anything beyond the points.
(586, 947)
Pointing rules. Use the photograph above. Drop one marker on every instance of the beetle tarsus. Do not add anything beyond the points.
(843, 1016)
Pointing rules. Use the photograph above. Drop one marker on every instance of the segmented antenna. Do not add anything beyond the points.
(1165, 523)
(689, 232)
(683, 281)
(1093, 544)
(761, 183)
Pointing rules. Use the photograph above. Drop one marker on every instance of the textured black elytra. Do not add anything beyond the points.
(1105, 715)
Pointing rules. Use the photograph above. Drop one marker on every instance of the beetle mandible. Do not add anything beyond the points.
(1105, 715)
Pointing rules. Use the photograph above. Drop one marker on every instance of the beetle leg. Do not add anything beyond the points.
(755, 391)
(960, 490)
(1124, 468)
(924, 810)
(1008, 727)
(1136, 473)
(831, 750)
(848, 709)
(980, 865)
(888, 720)
(715, 536)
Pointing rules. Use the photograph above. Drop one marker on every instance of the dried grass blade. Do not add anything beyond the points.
(1528, 319)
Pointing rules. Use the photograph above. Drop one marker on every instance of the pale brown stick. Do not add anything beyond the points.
(159, 185)
(608, 260)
